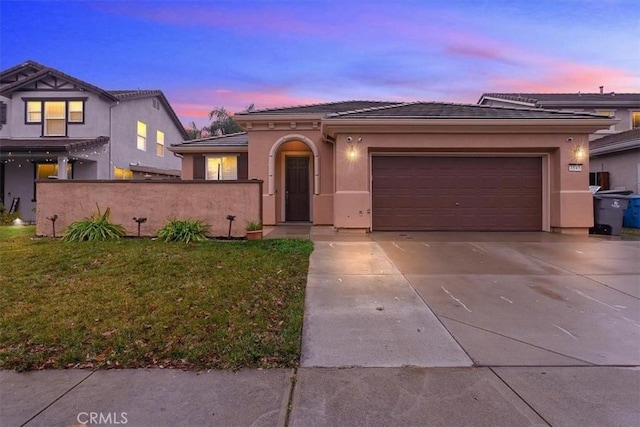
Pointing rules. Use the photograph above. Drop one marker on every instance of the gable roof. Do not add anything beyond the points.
(49, 144)
(21, 75)
(231, 142)
(621, 141)
(442, 110)
(128, 95)
(566, 99)
(318, 109)
(40, 73)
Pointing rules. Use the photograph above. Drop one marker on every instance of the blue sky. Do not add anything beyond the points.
(206, 54)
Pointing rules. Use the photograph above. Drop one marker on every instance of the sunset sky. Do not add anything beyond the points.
(205, 54)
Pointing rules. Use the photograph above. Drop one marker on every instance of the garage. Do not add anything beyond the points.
(438, 193)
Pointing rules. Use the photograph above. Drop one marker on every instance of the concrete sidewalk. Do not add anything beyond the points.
(376, 354)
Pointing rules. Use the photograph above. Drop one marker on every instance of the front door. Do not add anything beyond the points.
(297, 188)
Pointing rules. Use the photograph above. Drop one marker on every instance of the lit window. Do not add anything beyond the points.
(34, 112)
(76, 112)
(635, 119)
(222, 168)
(46, 170)
(160, 143)
(122, 174)
(142, 136)
(55, 118)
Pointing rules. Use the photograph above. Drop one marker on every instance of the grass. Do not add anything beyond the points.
(146, 303)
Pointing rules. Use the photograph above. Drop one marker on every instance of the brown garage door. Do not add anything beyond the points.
(457, 193)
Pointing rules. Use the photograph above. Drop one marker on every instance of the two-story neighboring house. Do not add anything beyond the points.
(614, 153)
(53, 125)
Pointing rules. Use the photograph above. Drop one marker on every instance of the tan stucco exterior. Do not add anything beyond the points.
(158, 201)
(343, 198)
(340, 148)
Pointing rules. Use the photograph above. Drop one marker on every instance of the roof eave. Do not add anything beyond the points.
(195, 149)
(464, 125)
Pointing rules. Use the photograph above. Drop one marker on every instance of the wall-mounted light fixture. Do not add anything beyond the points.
(578, 153)
(351, 143)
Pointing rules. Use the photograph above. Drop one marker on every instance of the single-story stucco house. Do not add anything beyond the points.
(363, 165)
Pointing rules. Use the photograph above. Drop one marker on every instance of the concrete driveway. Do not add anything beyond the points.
(470, 329)
(483, 299)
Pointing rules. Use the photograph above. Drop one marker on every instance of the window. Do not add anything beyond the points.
(122, 174)
(34, 111)
(160, 143)
(55, 123)
(76, 112)
(635, 119)
(54, 114)
(142, 136)
(222, 168)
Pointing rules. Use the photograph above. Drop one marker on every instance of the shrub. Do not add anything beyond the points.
(7, 218)
(187, 230)
(254, 225)
(95, 228)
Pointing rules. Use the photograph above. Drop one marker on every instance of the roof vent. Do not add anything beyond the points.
(601, 90)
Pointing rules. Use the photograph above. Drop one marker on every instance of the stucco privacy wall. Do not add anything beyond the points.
(158, 201)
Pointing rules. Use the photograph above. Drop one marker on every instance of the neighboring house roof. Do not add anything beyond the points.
(9, 88)
(19, 76)
(148, 169)
(127, 95)
(543, 100)
(441, 110)
(319, 109)
(57, 145)
(234, 140)
(622, 141)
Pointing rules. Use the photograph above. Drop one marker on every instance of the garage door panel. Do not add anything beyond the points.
(456, 193)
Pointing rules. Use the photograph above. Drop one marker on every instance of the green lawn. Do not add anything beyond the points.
(144, 303)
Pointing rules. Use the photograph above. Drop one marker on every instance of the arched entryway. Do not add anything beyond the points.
(294, 165)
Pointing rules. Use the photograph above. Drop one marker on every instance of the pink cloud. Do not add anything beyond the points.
(566, 76)
(233, 100)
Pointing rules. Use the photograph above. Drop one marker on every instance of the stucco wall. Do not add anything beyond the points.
(156, 200)
(96, 111)
(293, 142)
(623, 168)
(567, 201)
(124, 135)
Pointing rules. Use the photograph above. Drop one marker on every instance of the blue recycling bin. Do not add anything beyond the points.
(631, 217)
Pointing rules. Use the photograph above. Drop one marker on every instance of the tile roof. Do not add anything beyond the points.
(133, 94)
(544, 99)
(239, 139)
(57, 145)
(319, 109)
(42, 71)
(128, 95)
(425, 110)
(617, 142)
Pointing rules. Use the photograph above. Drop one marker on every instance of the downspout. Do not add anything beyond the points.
(111, 137)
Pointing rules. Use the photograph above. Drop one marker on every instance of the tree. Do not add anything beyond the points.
(193, 131)
(222, 123)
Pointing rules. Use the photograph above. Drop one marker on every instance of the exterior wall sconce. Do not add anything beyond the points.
(578, 153)
(351, 143)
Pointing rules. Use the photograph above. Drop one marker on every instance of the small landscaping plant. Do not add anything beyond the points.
(254, 225)
(183, 230)
(97, 227)
(7, 218)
